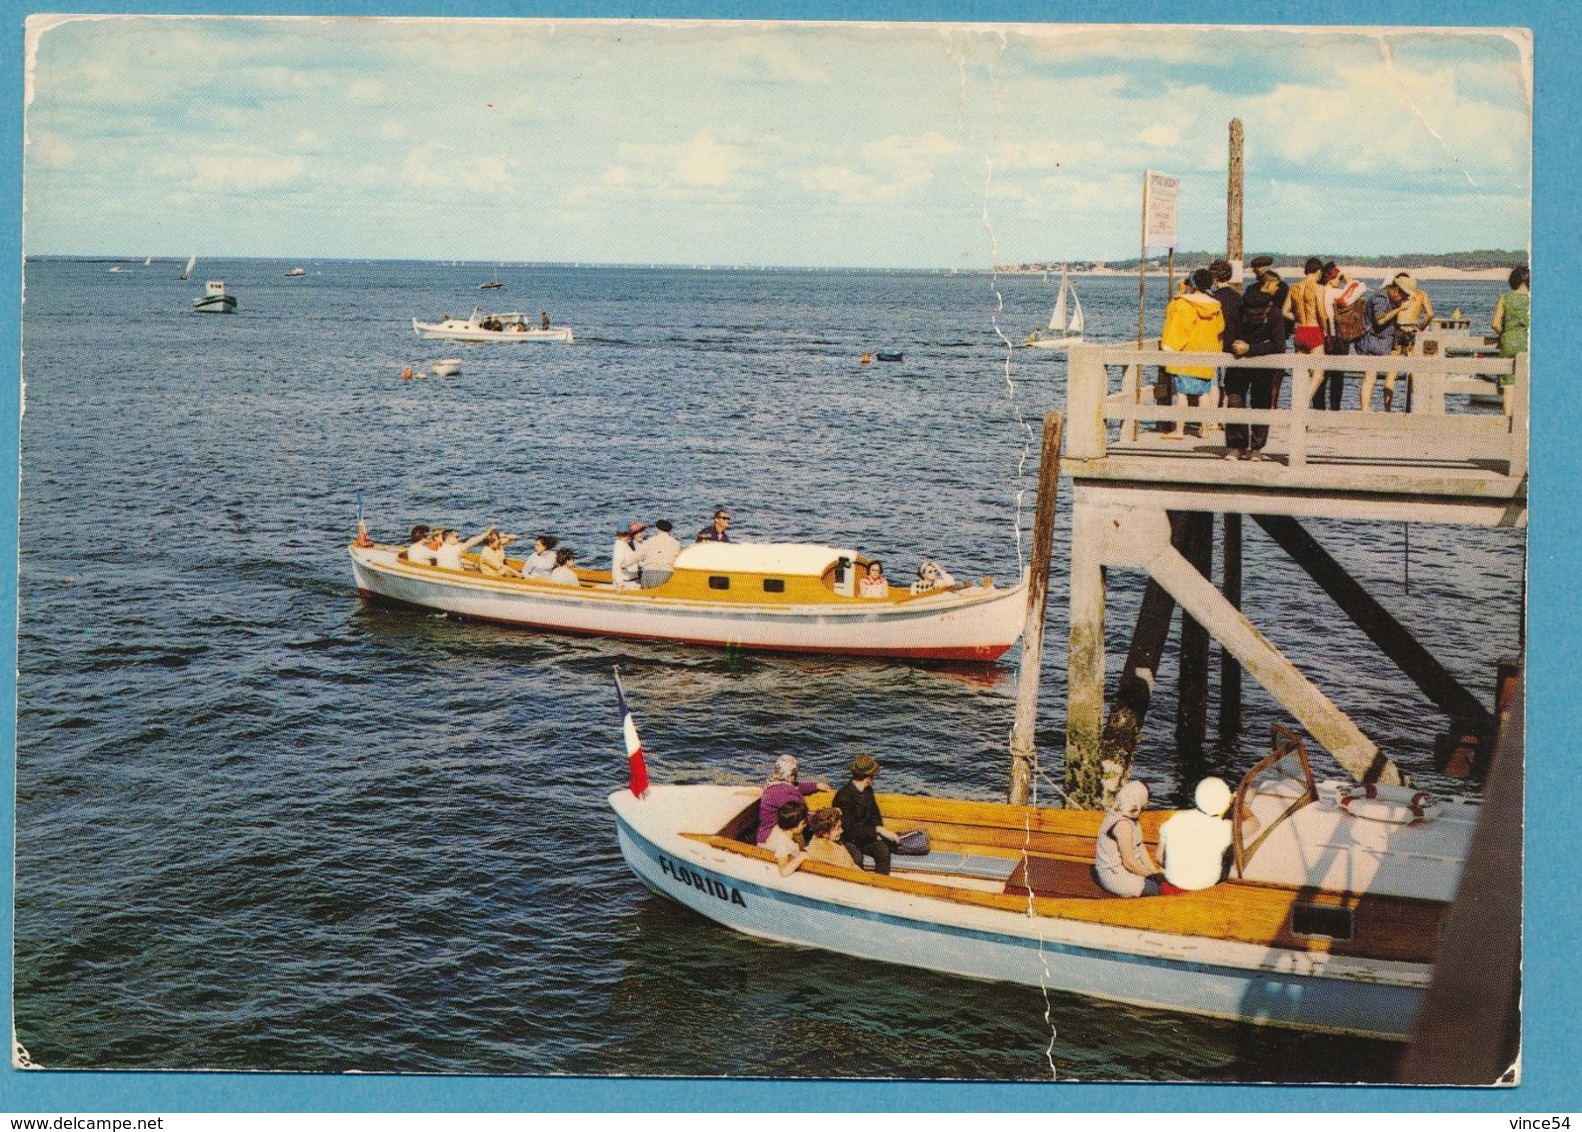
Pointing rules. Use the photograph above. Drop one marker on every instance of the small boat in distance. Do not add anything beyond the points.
(493, 284)
(480, 327)
(1066, 330)
(1329, 918)
(295, 272)
(117, 269)
(768, 597)
(187, 271)
(445, 367)
(149, 262)
(214, 300)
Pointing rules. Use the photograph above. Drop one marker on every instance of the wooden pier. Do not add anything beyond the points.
(1144, 502)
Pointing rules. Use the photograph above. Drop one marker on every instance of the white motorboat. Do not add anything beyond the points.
(214, 300)
(771, 597)
(445, 367)
(296, 272)
(1065, 329)
(1329, 919)
(480, 327)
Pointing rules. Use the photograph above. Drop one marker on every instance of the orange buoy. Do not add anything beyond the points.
(406, 374)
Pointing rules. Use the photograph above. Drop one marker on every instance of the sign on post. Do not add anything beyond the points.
(1160, 194)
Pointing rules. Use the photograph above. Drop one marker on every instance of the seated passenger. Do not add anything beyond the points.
(781, 788)
(1120, 859)
(416, 551)
(931, 576)
(563, 574)
(491, 559)
(1195, 844)
(656, 558)
(783, 842)
(625, 566)
(865, 832)
(425, 552)
(824, 830)
(448, 556)
(541, 563)
(873, 583)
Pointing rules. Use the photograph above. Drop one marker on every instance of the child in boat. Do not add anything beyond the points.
(1195, 844)
(874, 584)
(824, 830)
(781, 788)
(790, 821)
(1120, 859)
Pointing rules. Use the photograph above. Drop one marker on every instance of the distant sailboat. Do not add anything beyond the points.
(493, 285)
(149, 262)
(191, 263)
(1064, 330)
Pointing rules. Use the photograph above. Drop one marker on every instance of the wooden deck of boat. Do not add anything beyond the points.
(1054, 850)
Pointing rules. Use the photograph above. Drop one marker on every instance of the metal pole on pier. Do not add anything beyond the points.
(1023, 753)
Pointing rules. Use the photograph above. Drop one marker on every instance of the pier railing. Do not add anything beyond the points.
(1103, 412)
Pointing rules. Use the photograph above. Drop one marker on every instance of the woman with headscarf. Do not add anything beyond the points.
(1120, 859)
(1193, 324)
(781, 788)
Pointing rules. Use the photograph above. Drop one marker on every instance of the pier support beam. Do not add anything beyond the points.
(1197, 547)
(1229, 667)
(1383, 630)
(1139, 538)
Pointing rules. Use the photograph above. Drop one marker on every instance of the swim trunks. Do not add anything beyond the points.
(1309, 337)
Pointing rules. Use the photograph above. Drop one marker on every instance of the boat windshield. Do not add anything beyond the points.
(1284, 776)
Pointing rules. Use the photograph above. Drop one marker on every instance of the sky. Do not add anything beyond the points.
(793, 144)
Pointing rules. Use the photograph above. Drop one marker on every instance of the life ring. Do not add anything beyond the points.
(1400, 805)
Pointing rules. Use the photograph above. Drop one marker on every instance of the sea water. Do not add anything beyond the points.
(262, 824)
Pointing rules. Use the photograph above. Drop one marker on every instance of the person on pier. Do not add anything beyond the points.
(782, 787)
(718, 530)
(1512, 316)
(1262, 334)
(1331, 387)
(1304, 306)
(1120, 859)
(1383, 308)
(865, 832)
(1195, 844)
(1193, 322)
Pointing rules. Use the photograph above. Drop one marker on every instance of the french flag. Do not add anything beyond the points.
(636, 767)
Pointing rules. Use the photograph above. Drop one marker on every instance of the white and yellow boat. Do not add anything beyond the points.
(772, 597)
(1330, 918)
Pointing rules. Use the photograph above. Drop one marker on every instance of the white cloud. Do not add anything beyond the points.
(245, 171)
(366, 90)
(392, 130)
(50, 148)
(1159, 134)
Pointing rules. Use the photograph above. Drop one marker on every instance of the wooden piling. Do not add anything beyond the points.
(1233, 245)
(1229, 666)
(1023, 751)
(1087, 778)
(1192, 681)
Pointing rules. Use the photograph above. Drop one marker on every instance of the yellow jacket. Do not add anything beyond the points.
(1193, 322)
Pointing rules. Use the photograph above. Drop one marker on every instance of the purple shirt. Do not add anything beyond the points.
(775, 795)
